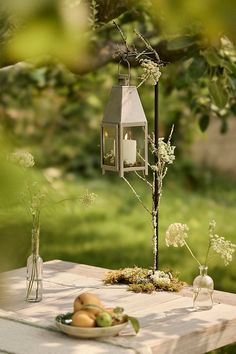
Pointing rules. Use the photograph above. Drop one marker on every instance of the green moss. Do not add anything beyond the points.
(126, 275)
(141, 280)
(142, 288)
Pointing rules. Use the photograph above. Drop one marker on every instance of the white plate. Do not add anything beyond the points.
(94, 332)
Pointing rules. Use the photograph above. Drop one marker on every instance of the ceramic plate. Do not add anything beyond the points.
(94, 332)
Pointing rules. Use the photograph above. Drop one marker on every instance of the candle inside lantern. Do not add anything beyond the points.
(129, 150)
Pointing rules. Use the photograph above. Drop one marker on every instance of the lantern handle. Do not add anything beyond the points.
(124, 79)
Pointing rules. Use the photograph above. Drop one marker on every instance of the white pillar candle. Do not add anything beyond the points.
(129, 151)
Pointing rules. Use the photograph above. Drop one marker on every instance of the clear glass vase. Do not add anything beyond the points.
(203, 287)
(34, 278)
(34, 287)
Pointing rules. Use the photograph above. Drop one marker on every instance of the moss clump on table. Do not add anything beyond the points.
(144, 280)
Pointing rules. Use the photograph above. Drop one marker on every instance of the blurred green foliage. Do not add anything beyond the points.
(55, 114)
(198, 87)
(114, 232)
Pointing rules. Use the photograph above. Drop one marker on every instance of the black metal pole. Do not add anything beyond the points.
(156, 189)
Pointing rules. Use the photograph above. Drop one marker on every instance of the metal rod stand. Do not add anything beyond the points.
(156, 187)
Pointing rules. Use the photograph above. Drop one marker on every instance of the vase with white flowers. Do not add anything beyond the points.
(35, 197)
(32, 198)
(203, 285)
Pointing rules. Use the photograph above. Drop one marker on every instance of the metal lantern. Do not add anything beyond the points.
(124, 131)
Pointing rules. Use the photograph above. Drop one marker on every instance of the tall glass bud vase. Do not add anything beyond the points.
(203, 287)
(34, 287)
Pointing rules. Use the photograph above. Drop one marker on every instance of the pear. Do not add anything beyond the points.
(88, 299)
(83, 319)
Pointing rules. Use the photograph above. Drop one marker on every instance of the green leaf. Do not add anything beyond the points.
(39, 75)
(135, 323)
(197, 68)
(204, 122)
(180, 43)
(228, 65)
(232, 82)
(118, 310)
(218, 93)
(91, 306)
(211, 56)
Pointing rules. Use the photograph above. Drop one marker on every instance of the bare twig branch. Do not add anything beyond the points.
(143, 178)
(122, 36)
(144, 160)
(148, 45)
(137, 196)
(142, 82)
(171, 133)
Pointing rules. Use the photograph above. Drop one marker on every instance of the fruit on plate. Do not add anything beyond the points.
(90, 312)
(104, 319)
(81, 301)
(83, 319)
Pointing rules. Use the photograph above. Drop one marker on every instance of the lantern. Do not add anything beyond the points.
(124, 131)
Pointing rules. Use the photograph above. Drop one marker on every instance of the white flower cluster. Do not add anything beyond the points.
(23, 159)
(151, 70)
(223, 247)
(176, 234)
(87, 198)
(166, 152)
(160, 278)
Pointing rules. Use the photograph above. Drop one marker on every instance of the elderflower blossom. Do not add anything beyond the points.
(176, 234)
(151, 70)
(87, 198)
(165, 151)
(23, 159)
(223, 247)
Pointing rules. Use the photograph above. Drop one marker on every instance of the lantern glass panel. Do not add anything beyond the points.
(134, 146)
(109, 145)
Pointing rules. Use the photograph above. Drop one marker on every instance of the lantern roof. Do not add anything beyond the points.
(124, 106)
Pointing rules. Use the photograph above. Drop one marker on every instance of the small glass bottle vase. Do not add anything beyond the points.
(203, 287)
(34, 280)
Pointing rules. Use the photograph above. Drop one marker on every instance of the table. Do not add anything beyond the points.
(168, 322)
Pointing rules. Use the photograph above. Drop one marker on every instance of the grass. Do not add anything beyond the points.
(116, 231)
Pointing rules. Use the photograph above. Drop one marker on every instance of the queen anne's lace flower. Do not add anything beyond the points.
(223, 247)
(88, 198)
(23, 159)
(212, 227)
(176, 234)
